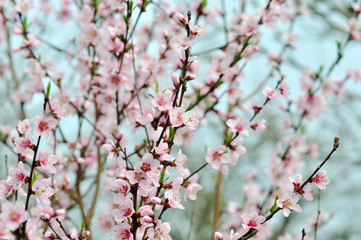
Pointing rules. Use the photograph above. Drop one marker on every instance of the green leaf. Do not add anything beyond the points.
(82, 226)
(48, 90)
(146, 142)
(126, 19)
(171, 133)
(219, 83)
(156, 86)
(151, 95)
(96, 3)
(339, 45)
(340, 56)
(229, 137)
(204, 3)
(302, 129)
(214, 178)
(237, 58)
(25, 23)
(1, 135)
(35, 177)
(318, 73)
(190, 106)
(249, 236)
(146, 3)
(162, 176)
(274, 207)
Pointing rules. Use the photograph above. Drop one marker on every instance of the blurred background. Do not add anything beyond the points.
(316, 46)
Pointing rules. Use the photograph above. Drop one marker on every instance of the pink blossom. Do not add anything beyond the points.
(183, 137)
(252, 220)
(234, 235)
(23, 145)
(239, 126)
(112, 149)
(190, 120)
(5, 232)
(196, 30)
(57, 108)
(163, 100)
(289, 39)
(24, 6)
(124, 211)
(288, 202)
(192, 191)
(91, 34)
(218, 158)
(121, 186)
(161, 231)
(162, 150)
(24, 126)
(13, 214)
(176, 116)
(312, 105)
(270, 93)
(306, 191)
(43, 190)
(47, 161)
(174, 199)
(145, 170)
(17, 176)
(321, 180)
(259, 125)
(256, 106)
(105, 223)
(122, 232)
(353, 27)
(354, 74)
(5, 189)
(186, 42)
(118, 29)
(284, 89)
(44, 126)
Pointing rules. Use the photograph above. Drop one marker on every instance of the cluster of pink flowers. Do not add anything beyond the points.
(108, 142)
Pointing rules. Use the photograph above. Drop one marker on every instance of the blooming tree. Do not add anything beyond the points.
(105, 103)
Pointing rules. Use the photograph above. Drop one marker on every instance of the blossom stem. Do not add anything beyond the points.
(253, 231)
(309, 179)
(62, 228)
(318, 212)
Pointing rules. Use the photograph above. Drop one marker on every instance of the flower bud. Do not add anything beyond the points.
(181, 19)
(60, 212)
(147, 219)
(336, 141)
(166, 34)
(146, 211)
(190, 77)
(175, 79)
(218, 236)
(157, 200)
